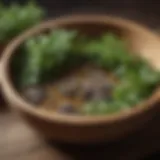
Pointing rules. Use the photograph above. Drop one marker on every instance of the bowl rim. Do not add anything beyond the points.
(19, 103)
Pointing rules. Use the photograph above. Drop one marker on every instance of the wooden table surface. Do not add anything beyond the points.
(19, 142)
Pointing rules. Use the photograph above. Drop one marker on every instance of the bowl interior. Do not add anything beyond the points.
(91, 29)
(138, 40)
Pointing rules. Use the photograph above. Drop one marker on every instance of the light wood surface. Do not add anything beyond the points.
(19, 142)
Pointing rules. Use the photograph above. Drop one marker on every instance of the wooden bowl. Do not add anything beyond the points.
(2, 101)
(87, 129)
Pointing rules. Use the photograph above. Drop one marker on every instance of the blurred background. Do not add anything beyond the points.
(144, 11)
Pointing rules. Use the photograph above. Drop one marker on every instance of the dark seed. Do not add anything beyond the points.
(66, 108)
(102, 92)
(88, 94)
(34, 94)
(88, 91)
(106, 91)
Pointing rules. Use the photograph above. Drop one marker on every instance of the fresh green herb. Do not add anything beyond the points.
(16, 18)
(103, 107)
(46, 55)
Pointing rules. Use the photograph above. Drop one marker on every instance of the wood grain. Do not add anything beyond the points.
(19, 142)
